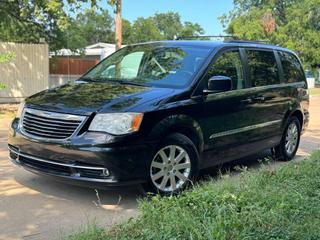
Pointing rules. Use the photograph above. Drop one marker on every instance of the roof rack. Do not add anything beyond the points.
(249, 41)
(206, 37)
(225, 38)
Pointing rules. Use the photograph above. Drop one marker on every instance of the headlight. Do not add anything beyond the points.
(20, 109)
(116, 123)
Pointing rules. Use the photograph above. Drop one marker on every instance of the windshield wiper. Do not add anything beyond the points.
(131, 83)
(114, 80)
(84, 79)
(89, 79)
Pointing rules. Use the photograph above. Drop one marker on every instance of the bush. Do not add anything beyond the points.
(264, 204)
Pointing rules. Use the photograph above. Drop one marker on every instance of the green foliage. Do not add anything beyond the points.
(90, 26)
(263, 204)
(5, 58)
(91, 232)
(2, 85)
(168, 24)
(161, 26)
(28, 21)
(144, 29)
(297, 25)
(96, 25)
(127, 31)
(191, 29)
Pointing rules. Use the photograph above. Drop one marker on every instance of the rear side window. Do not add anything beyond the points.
(229, 65)
(263, 69)
(292, 70)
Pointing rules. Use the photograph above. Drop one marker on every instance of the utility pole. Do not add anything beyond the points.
(118, 23)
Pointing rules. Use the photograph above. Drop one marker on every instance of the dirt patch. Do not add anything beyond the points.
(8, 110)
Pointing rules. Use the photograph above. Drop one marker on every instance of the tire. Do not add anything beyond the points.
(289, 144)
(167, 176)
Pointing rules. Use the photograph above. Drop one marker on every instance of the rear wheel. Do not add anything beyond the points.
(289, 144)
(173, 166)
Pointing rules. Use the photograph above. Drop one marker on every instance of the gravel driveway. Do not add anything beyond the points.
(33, 207)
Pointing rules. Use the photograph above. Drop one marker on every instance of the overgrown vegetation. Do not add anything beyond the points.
(263, 204)
(293, 24)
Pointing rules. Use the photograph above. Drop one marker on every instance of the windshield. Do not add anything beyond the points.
(151, 65)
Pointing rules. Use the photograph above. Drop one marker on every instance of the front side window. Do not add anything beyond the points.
(292, 70)
(263, 69)
(229, 65)
(151, 65)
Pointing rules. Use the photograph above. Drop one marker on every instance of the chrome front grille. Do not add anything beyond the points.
(49, 125)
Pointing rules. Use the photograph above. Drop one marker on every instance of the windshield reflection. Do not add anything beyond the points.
(150, 65)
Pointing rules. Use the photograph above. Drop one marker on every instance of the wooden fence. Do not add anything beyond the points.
(26, 74)
(70, 66)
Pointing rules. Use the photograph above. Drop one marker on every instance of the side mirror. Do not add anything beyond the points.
(219, 84)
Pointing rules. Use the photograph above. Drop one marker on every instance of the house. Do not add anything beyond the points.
(97, 51)
(67, 65)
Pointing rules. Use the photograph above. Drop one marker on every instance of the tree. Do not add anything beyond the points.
(191, 29)
(169, 24)
(31, 20)
(161, 26)
(294, 24)
(126, 32)
(28, 21)
(145, 29)
(89, 27)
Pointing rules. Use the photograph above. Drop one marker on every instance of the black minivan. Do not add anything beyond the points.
(157, 113)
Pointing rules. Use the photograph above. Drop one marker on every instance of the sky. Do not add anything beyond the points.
(204, 12)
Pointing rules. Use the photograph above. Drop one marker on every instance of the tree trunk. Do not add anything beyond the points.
(118, 24)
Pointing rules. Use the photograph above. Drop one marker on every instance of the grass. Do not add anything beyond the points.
(89, 233)
(264, 204)
(314, 91)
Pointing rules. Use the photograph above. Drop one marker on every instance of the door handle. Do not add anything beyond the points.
(247, 101)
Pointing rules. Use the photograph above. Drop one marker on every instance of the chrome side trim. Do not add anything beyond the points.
(244, 129)
(255, 89)
(53, 163)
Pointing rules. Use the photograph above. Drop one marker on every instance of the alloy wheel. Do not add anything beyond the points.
(170, 168)
(291, 138)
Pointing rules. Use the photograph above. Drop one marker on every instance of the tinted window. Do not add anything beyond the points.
(263, 68)
(292, 70)
(229, 64)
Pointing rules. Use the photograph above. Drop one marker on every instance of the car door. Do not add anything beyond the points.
(228, 116)
(267, 98)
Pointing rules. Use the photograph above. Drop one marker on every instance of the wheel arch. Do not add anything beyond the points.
(295, 113)
(298, 114)
(182, 124)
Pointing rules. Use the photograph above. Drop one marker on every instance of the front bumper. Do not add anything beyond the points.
(86, 160)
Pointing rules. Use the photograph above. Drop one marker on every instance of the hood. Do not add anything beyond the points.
(86, 97)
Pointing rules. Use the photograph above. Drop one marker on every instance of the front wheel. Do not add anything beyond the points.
(289, 144)
(173, 166)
